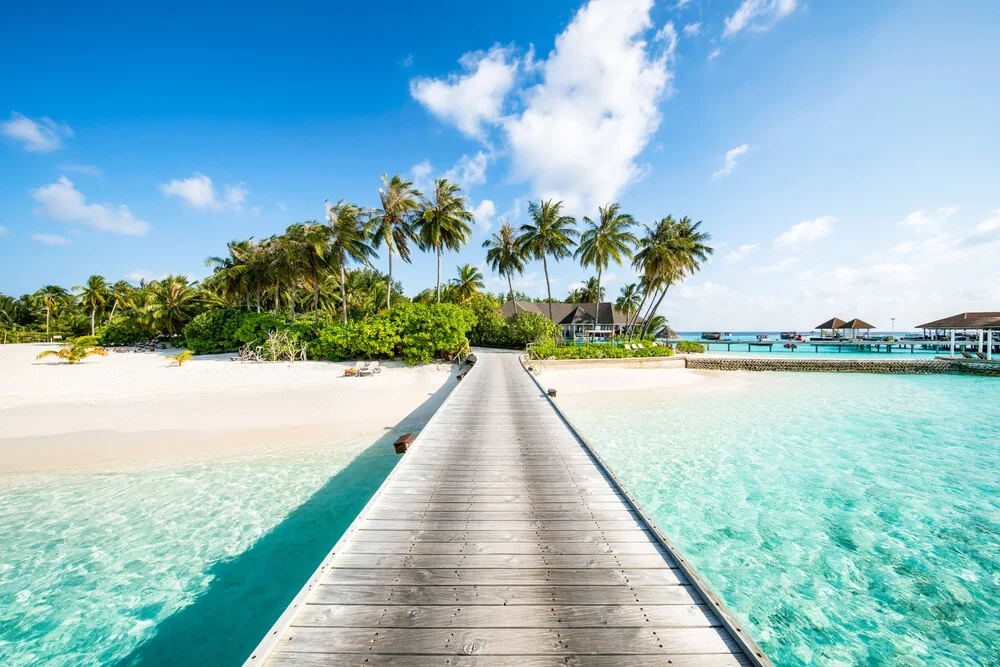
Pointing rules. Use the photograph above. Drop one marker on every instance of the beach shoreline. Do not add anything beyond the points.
(134, 410)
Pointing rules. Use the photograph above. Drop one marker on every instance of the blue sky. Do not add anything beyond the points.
(845, 156)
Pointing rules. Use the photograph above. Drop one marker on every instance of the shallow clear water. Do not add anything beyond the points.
(186, 565)
(848, 519)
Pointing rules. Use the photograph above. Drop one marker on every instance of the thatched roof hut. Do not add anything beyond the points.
(857, 324)
(982, 320)
(668, 333)
(831, 324)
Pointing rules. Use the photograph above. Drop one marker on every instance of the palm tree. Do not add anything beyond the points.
(443, 223)
(348, 242)
(503, 254)
(76, 350)
(628, 302)
(468, 283)
(121, 291)
(592, 292)
(93, 295)
(50, 296)
(173, 302)
(393, 223)
(606, 240)
(670, 251)
(310, 243)
(549, 233)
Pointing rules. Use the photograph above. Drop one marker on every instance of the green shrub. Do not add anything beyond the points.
(229, 329)
(492, 329)
(688, 346)
(374, 336)
(122, 331)
(527, 328)
(598, 351)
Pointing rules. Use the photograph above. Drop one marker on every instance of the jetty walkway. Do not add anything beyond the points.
(500, 539)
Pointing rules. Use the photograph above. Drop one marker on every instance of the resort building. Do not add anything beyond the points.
(850, 329)
(577, 320)
(984, 326)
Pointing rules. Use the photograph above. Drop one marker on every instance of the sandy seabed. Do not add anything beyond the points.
(135, 409)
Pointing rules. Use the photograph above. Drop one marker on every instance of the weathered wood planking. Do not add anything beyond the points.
(500, 539)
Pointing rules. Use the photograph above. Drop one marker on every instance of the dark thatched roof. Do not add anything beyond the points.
(833, 323)
(966, 321)
(569, 313)
(857, 324)
(667, 332)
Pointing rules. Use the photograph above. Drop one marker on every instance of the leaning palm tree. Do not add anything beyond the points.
(503, 254)
(549, 233)
(348, 242)
(443, 223)
(121, 291)
(393, 223)
(468, 283)
(76, 350)
(93, 295)
(606, 240)
(50, 296)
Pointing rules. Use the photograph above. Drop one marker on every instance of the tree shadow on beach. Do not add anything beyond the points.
(248, 593)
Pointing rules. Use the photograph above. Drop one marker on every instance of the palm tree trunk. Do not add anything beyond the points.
(46, 321)
(343, 291)
(635, 315)
(388, 292)
(316, 295)
(277, 291)
(291, 301)
(548, 288)
(649, 313)
(258, 301)
(597, 312)
(439, 274)
(93, 314)
(510, 286)
(652, 312)
(110, 317)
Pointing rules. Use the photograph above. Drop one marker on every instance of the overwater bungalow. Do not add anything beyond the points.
(830, 328)
(984, 326)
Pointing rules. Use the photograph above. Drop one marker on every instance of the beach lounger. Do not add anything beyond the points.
(982, 356)
(967, 355)
(369, 368)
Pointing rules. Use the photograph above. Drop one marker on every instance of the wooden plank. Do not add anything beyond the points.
(499, 535)
(506, 548)
(290, 658)
(527, 616)
(499, 561)
(508, 577)
(486, 506)
(380, 594)
(380, 513)
(500, 525)
(508, 641)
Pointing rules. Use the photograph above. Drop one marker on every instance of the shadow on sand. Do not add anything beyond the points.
(248, 593)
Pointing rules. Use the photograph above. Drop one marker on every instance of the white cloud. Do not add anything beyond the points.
(986, 232)
(692, 29)
(86, 169)
(476, 97)
(37, 136)
(731, 157)
(408, 60)
(596, 106)
(714, 54)
(740, 253)
(198, 192)
(61, 201)
(924, 221)
(681, 3)
(420, 174)
(776, 267)
(469, 170)
(758, 15)
(52, 240)
(807, 231)
(483, 213)
(4, 231)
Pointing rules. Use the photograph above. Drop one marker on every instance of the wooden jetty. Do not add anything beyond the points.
(500, 538)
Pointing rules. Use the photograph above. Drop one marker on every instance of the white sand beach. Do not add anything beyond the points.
(586, 386)
(134, 409)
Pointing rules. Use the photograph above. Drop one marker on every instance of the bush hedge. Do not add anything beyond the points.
(121, 331)
(229, 329)
(688, 346)
(598, 351)
(492, 329)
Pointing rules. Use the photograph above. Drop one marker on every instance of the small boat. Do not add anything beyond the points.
(711, 335)
(789, 335)
(762, 338)
(791, 346)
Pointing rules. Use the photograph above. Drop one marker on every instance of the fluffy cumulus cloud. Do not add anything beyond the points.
(63, 202)
(52, 240)
(199, 192)
(596, 107)
(475, 97)
(730, 162)
(593, 106)
(43, 135)
(469, 170)
(986, 232)
(807, 231)
(758, 15)
(714, 54)
(740, 253)
(926, 222)
(692, 29)
(777, 267)
(484, 213)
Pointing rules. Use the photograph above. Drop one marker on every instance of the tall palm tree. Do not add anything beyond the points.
(50, 296)
(393, 223)
(93, 295)
(173, 302)
(348, 242)
(671, 250)
(628, 301)
(121, 291)
(549, 233)
(606, 240)
(443, 222)
(311, 248)
(592, 292)
(468, 283)
(503, 254)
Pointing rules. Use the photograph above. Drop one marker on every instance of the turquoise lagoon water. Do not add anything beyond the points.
(179, 566)
(847, 519)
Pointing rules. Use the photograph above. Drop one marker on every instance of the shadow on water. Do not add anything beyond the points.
(248, 593)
